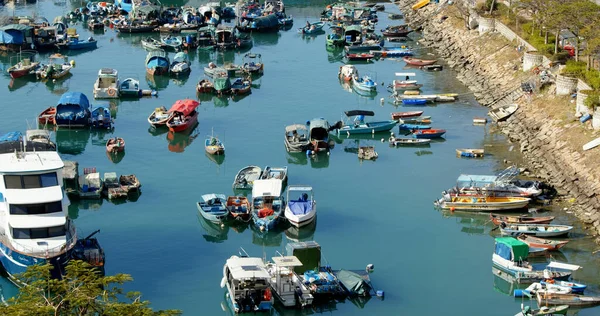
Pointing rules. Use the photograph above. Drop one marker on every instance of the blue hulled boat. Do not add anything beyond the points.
(73, 110)
(364, 83)
(125, 5)
(313, 28)
(414, 102)
(77, 44)
(213, 207)
(267, 203)
(360, 127)
(101, 118)
(157, 62)
(413, 126)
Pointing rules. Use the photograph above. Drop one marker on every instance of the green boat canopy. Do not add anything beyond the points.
(354, 283)
(222, 83)
(511, 249)
(18, 27)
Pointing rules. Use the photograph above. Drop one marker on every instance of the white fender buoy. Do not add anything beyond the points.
(223, 282)
(383, 140)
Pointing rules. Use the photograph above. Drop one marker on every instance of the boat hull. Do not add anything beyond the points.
(19, 73)
(377, 127)
(15, 262)
(191, 121)
(300, 220)
(217, 217)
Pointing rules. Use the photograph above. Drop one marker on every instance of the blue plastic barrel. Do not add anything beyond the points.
(521, 293)
(585, 118)
(380, 293)
(348, 38)
(188, 39)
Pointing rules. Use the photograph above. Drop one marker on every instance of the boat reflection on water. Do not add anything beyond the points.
(76, 205)
(305, 233)
(18, 83)
(72, 141)
(506, 284)
(221, 101)
(157, 131)
(335, 55)
(179, 141)
(471, 223)
(157, 83)
(214, 233)
(182, 80)
(347, 86)
(317, 161)
(115, 157)
(266, 238)
(218, 159)
(266, 39)
(423, 152)
(59, 86)
(204, 97)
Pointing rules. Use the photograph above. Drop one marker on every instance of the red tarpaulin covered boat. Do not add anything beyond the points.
(185, 115)
(419, 62)
(406, 115)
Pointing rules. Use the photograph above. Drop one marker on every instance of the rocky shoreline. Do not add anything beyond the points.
(491, 67)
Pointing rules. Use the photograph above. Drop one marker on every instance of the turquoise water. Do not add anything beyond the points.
(381, 212)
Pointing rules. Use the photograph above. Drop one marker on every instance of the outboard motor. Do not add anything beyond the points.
(337, 125)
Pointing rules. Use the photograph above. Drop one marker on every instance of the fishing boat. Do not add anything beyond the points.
(347, 73)
(160, 116)
(396, 31)
(225, 37)
(75, 43)
(407, 141)
(57, 68)
(107, 84)
(502, 184)
(213, 146)
(212, 207)
(150, 43)
(296, 138)
(279, 173)
(301, 211)
(88, 249)
(23, 68)
(393, 52)
(572, 300)
(503, 112)
(359, 56)
(73, 110)
(130, 87)
(364, 83)
(418, 62)
(252, 63)
(95, 24)
(313, 28)
(406, 115)
(239, 208)
(222, 85)
(115, 145)
(180, 65)
(205, 86)
(481, 203)
(90, 186)
(101, 118)
(429, 133)
(47, 117)
(245, 178)
(172, 42)
(286, 284)
(241, 86)
(212, 70)
(336, 37)
(318, 134)
(576, 288)
(248, 285)
(544, 310)
(135, 28)
(419, 120)
(367, 153)
(130, 183)
(286, 22)
(538, 287)
(510, 257)
(414, 102)
(537, 230)
(470, 152)
(541, 242)
(157, 62)
(358, 126)
(409, 126)
(184, 115)
(520, 219)
(267, 204)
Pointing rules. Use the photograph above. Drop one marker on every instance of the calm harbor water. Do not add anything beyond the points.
(379, 212)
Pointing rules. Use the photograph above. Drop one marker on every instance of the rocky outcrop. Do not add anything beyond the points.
(491, 67)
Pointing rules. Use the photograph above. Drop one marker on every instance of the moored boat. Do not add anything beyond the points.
(367, 153)
(213, 146)
(152, 44)
(287, 285)
(567, 299)
(410, 127)
(364, 83)
(408, 141)
(481, 203)
(279, 173)
(212, 207)
(239, 208)
(538, 230)
(47, 117)
(73, 110)
(419, 62)
(23, 68)
(246, 278)
(172, 42)
(88, 249)
(107, 84)
(180, 65)
(160, 116)
(470, 152)
(301, 211)
(359, 126)
(318, 134)
(296, 138)
(347, 72)
(241, 86)
(101, 118)
(359, 56)
(245, 178)
(575, 287)
(267, 204)
(115, 145)
(544, 310)
(184, 115)
(520, 219)
(541, 242)
(253, 64)
(130, 183)
(57, 68)
(406, 115)
(157, 62)
(396, 31)
(313, 28)
(205, 86)
(503, 112)
(429, 133)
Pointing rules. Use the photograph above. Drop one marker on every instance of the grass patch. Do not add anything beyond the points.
(579, 70)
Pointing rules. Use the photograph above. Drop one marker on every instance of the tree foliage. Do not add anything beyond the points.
(82, 291)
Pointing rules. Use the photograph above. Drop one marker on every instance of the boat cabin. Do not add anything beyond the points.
(286, 283)
(16, 37)
(266, 197)
(248, 284)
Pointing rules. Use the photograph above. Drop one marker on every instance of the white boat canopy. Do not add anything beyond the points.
(563, 266)
(299, 188)
(404, 74)
(288, 261)
(268, 187)
(212, 196)
(295, 127)
(247, 268)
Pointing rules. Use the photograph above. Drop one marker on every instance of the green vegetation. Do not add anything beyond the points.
(82, 291)
(579, 69)
(593, 99)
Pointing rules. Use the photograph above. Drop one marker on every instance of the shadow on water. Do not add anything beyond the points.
(19, 83)
(72, 141)
(157, 83)
(179, 141)
(266, 238)
(320, 160)
(214, 232)
(304, 233)
(222, 101)
(266, 39)
(59, 86)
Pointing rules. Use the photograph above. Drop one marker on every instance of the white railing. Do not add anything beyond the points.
(14, 245)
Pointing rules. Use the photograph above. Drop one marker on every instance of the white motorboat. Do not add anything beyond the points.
(301, 211)
(107, 85)
(248, 284)
(287, 285)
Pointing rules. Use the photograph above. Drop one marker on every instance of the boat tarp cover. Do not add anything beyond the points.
(357, 29)
(309, 253)
(13, 33)
(60, 20)
(354, 283)
(181, 57)
(472, 180)
(268, 21)
(11, 137)
(186, 106)
(300, 207)
(156, 53)
(295, 127)
(359, 112)
(222, 83)
(76, 98)
(506, 245)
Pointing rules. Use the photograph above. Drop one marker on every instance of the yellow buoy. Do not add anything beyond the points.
(72, 62)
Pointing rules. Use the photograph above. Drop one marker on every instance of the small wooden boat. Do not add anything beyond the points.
(347, 72)
(129, 183)
(544, 310)
(538, 230)
(23, 68)
(402, 86)
(278, 173)
(359, 56)
(520, 219)
(396, 31)
(567, 299)
(152, 44)
(212, 207)
(55, 69)
(407, 126)
(408, 141)
(406, 115)
(253, 63)
(414, 102)
(205, 86)
(213, 146)
(160, 116)
(241, 86)
(245, 177)
(184, 115)
(542, 243)
(157, 62)
(172, 42)
(432, 67)
(503, 112)
(47, 117)
(470, 152)
(429, 133)
(239, 208)
(418, 120)
(115, 145)
(575, 287)
(367, 153)
(419, 62)
(313, 28)
(392, 52)
(364, 83)
(296, 138)
(479, 120)
(478, 203)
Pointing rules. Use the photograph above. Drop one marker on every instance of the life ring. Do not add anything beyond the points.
(111, 92)
(267, 295)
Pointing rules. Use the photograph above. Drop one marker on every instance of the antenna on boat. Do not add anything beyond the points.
(279, 253)
(245, 254)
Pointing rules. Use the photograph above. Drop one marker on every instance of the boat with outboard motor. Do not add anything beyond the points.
(359, 126)
(303, 210)
(267, 204)
(248, 284)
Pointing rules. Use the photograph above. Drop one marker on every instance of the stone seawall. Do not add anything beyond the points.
(491, 67)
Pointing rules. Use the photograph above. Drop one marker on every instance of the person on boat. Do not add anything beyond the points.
(307, 24)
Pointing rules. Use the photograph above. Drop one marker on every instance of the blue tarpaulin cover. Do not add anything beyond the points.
(11, 137)
(13, 34)
(72, 107)
(300, 207)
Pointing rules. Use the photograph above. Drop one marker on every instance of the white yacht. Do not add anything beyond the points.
(248, 285)
(34, 227)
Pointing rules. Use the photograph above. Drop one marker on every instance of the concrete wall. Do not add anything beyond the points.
(512, 36)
